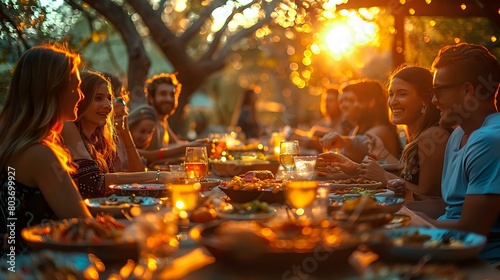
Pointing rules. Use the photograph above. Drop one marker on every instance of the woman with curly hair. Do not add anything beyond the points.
(92, 141)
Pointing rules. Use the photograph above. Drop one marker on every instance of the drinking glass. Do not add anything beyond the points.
(300, 195)
(196, 162)
(184, 200)
(288, 150)
(304, 167)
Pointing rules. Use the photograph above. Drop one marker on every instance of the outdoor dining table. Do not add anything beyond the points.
(194, 262)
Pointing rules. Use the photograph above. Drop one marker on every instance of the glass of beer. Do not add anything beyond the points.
(196, 163)
(288, 151)
(184, 200)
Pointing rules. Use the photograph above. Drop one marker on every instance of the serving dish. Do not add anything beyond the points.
(208, 184)
(250, 252)
(232, 168)
(114, 204)
(413, 243)
(242, 196)
(152, 190)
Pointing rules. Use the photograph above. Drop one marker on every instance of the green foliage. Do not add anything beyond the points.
(426, 35)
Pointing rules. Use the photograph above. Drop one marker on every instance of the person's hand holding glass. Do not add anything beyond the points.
(196, 163)
(288, 151)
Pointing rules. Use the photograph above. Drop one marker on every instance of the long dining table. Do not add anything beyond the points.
(196, 263)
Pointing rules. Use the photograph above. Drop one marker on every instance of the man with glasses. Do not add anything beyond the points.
(466, 80)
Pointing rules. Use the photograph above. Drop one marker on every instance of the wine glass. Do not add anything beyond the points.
(300, 195)
(288, 151)
(184, 200)
(196, 162)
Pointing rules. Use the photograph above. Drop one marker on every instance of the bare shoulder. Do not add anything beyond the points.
(34, 161)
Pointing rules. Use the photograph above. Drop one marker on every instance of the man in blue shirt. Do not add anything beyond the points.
(466, 80)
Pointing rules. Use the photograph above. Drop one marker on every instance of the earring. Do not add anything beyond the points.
(422, 110)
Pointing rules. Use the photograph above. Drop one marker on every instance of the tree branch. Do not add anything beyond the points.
(194, 29)
(10, 20)
(245, 32)
(139, 62)
(218, 35)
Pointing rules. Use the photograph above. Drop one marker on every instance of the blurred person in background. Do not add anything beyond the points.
(247, 119)
(363, 104)
(43, 93)
(332, 121)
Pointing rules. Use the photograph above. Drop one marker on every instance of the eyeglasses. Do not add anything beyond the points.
(440, 88)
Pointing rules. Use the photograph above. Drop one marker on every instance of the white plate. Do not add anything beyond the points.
(471, 244)
(245, 217)
(115, 204)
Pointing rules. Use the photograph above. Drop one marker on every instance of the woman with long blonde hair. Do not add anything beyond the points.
(35, 183)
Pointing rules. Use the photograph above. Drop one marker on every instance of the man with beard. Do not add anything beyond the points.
(162, 92)
(466, 79)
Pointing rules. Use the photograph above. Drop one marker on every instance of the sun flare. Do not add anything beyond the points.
(349, 32)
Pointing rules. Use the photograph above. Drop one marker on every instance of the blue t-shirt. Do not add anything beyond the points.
(473, 169)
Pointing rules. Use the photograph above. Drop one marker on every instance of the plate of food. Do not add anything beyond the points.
(232, 168)
(274, 247)
(366, 204)
(415, 243)
(254, 210)
(151, 190)
(354, 182)
(101, 236)
(114, 204)
(358, 191)
(254, 185)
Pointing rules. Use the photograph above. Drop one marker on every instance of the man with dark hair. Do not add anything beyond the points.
(466, 80)
(162, 92)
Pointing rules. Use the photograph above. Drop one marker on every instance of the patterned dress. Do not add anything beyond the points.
(30, 208)
(90, 179)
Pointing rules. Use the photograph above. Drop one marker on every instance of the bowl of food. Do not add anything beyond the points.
(254, 185)
(151, 190)
(232, 168)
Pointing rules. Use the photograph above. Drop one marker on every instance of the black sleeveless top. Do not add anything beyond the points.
(21, 206)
